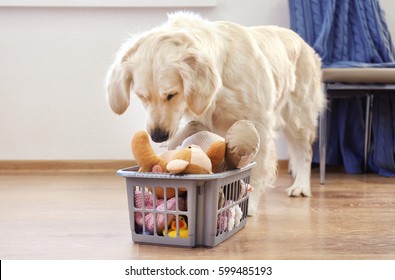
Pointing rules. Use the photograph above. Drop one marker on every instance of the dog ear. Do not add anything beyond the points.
(119, 78)
(119, 81)
(201, 81)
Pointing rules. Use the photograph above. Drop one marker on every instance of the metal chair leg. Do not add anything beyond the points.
(368, 130)
(322, 146)
(323, 141)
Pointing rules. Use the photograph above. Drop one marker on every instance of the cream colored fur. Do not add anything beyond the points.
(222, 72)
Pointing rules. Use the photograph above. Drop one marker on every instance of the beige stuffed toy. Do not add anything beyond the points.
(242, 144)
(190, 160)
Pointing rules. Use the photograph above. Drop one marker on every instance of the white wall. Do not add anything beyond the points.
(52, 67)
(389, 8)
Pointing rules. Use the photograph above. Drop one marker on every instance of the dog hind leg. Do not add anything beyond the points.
(301, 118)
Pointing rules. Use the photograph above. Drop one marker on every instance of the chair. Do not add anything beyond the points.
(351, 82)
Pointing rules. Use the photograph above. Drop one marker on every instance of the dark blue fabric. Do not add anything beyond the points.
(382, 154)
(352, 33)
(344, 31)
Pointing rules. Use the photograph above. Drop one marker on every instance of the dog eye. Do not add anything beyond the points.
(170, 96)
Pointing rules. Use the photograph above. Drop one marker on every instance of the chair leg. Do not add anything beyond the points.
(323, 141)
(368, 130)
(322, 146)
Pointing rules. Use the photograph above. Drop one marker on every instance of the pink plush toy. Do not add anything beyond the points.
(229, 218)
(160, 206)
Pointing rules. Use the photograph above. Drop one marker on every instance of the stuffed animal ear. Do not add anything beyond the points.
(201, 81)
(216, 153)
(180, 161)
(177, 165)
(242, 144)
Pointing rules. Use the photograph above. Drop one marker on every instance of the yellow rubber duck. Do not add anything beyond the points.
(172, 232)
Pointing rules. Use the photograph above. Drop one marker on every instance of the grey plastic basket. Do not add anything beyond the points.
(203, 201)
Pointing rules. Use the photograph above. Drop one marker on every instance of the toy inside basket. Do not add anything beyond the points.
(186, 210)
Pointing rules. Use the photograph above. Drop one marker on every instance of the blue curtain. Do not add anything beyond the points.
(352, 33)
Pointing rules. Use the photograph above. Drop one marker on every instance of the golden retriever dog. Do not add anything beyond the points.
(221, 72)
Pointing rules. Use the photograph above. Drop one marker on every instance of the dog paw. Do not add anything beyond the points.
(296, 191)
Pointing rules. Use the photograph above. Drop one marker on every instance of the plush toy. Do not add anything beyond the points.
(229, 218)
(144, 155)
(244, 189)
(238, 215)
(148, 160)
(190, 160)
(242, 144)
(183, 228)
(194, 133)
(236, 150)
(160, 205)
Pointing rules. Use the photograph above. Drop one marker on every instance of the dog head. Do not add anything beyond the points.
(168, 73)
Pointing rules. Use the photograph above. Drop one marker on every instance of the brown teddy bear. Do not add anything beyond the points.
(188, 160)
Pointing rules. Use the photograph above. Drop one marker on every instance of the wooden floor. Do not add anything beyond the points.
(83, 215)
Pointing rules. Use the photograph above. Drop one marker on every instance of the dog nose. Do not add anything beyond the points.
(159, 135)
